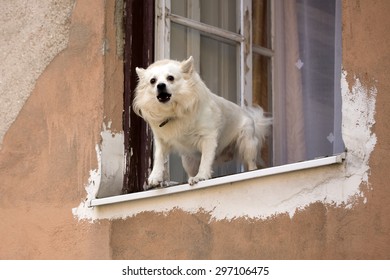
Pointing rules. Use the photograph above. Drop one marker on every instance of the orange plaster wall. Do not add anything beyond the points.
(49, 150)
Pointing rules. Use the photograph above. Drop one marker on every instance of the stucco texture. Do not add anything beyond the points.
(32, 34)
(50, 147)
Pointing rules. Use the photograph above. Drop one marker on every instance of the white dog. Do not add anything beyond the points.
(186, 117)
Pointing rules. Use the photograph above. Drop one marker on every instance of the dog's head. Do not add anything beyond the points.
(162, 86)
(164, 78)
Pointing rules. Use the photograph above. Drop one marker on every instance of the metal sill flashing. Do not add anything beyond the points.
(220, 180)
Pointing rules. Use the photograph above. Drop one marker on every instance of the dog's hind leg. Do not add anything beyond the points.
(248, 145)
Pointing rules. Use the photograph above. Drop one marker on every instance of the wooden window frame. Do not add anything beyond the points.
(138, 52)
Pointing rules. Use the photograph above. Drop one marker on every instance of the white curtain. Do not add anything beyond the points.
(307, 98)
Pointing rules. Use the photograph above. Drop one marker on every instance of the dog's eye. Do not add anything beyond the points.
(170, 78)
(153, 81)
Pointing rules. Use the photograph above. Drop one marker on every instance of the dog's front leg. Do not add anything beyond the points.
(156, 177)
(208, 148)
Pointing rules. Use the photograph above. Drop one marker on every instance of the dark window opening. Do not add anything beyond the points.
(138, 52)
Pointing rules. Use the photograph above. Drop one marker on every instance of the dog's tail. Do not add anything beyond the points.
(262, 122)
(263, 125)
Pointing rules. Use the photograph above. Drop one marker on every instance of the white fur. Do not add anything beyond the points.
(199, 125)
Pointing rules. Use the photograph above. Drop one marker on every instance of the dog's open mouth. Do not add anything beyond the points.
(163, 96)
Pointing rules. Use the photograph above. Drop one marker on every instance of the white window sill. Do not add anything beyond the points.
(220, 180)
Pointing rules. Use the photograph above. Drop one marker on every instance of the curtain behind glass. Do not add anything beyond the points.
(307, 99)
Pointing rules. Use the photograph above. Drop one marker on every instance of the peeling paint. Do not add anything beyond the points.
(246, 54)
(107, 180)
(358, 118)
(336, 185)
(247, 42)
(92, 187)
(112, 157)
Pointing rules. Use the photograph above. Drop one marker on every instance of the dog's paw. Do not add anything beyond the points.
(154, 182)
(159, 185)
(194, 180)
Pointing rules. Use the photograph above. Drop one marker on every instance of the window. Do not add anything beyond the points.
(213, 33)
(283, 55)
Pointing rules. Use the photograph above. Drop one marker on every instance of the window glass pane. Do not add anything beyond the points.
(178, 44)
(218, 67)
(317, 33)
(218, 13)
(222, 14)
(261, 23)
(179, 7)
(262, 95)
(307, 98)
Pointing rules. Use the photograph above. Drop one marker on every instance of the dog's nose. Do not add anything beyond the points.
(161, 86)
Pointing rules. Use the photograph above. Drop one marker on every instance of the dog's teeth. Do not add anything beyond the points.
(163, 97)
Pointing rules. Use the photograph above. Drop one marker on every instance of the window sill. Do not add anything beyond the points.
(220, 180)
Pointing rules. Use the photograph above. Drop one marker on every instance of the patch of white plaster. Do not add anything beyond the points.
(286, 193)
(113, 162)
(107, 180)
(82, 211)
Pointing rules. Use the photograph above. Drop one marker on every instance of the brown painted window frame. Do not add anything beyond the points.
(138, 52)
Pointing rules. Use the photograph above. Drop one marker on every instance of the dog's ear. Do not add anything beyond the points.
(187, 66)
(140, 72)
